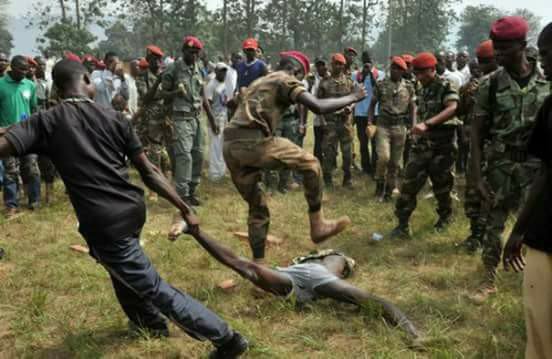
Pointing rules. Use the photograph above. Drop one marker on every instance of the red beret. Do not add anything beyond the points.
(155, 50)
(351, 49)
(397, 60)
(72, 57)
(485, 50)
(424, 60)
(250, 44)
(31, 61)
(339, 58)
(509, 28)
(407, 58)
(300, 57)
(99, 64)
(143, 63)
(193, 42)
(88, 58)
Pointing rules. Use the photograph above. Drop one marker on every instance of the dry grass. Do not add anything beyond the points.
(55, 303)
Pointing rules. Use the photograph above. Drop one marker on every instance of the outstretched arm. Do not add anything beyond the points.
(155, 180)
(344, 292)
(328, 105)
(261, 276)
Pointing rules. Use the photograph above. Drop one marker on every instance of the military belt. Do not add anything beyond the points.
(387, 119)
(233, 134)
(185, 115)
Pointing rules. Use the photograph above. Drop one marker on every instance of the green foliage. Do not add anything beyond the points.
(121, 40)
(64, 36)
(418, 25)
(475, 25)
(6, 39)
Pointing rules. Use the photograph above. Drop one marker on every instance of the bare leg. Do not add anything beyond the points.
(342, 291)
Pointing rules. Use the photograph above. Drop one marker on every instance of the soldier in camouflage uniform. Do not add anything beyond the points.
(472, 199)
(505, 110)
(338, 127)
(153, 124)
(396, 98)
(434, 149)
(182, 85)
(250, 147)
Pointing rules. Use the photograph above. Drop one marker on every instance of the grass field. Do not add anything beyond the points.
(56, 303)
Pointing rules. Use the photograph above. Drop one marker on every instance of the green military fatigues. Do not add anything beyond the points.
(472, 197)
(432, 154)
(337, 128)
(508, 114)
(186, 148)
(394, 100)
(153, 124)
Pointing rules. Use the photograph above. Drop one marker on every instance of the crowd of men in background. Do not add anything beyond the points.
(429, 116)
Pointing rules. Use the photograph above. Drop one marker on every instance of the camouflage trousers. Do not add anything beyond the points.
(289, 129)
(473, 204)
(27, 168)
(428, 159)
(248, 153)
(510, 182)
(157, 154)
(389, 147)
(336, 133)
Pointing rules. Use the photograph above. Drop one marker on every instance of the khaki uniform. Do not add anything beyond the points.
(250, 148)
(508, 115)
(337, 128)
(394, 100)
(432, 155)
(186, 147)
(154, 127)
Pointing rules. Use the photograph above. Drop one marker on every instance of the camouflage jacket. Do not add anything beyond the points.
(431, 101)
(508, 111)
(331, 87)
(394, 98)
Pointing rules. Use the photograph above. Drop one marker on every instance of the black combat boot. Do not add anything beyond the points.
(402, 231)
(379, 189)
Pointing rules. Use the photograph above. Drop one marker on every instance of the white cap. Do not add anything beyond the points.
(221, 66)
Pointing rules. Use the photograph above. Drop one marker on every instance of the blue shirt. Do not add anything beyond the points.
(249, 72)
(362, 107)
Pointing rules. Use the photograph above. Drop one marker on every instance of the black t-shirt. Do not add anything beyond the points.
(88, 144)
(539, 234)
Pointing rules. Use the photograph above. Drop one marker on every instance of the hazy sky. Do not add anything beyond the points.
(24, 38)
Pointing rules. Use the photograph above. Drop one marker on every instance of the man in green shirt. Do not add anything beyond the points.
(17, 102)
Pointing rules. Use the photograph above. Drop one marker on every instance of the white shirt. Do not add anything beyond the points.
(231, 81)
(455, 78)
(466, 75)
(216, 92)
(107, 86)
(132, 94)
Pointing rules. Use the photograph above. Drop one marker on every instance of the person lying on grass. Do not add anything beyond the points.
(310, 278)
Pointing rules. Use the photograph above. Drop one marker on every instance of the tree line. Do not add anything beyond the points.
(317, 27)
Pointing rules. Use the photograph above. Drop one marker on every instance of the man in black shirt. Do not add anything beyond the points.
(88, 145)
(534, 227)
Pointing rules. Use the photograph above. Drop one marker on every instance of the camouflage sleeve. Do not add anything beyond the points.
(321, 93)
(290, 88)
(450, 94)
(167, 79)
(482, 103)
(377, 90)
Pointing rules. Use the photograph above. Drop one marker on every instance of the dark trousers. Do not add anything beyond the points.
(368, 155)
(318, 135)
(144, 295)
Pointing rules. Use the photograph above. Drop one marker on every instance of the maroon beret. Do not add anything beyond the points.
(509, 28)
